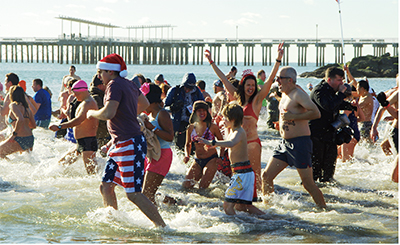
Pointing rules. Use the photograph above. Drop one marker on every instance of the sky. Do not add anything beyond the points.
(205, 19)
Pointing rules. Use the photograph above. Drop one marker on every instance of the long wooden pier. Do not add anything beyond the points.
(78, 50)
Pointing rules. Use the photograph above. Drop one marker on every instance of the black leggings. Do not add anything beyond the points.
(323, 159)
(180, 136)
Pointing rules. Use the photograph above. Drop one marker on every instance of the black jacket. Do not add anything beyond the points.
(329, 103)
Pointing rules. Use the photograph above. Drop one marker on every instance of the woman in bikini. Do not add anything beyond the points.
(22, 121)
(206, 160)
(250, 99)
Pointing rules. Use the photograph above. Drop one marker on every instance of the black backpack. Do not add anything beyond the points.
(177, 103)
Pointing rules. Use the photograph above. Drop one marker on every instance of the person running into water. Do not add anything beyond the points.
(206, 160)
(84, 129)
(296, 109)
(127, 148)
(250, 99)
(22, 121)
(161, 124)
(239, 194)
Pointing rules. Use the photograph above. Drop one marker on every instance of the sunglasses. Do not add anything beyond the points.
(282, 77)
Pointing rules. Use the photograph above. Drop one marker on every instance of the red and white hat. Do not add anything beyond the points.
(113, 62)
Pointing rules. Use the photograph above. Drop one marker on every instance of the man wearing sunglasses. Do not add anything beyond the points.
(295, 110)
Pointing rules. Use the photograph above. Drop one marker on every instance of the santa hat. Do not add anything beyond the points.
(247, 73)
(113, 62)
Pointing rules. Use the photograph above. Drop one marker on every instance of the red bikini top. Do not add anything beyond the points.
(248, 111)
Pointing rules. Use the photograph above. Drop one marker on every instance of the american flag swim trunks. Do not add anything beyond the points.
(125, 166)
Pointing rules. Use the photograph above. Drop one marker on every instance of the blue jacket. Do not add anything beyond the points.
(177, 116)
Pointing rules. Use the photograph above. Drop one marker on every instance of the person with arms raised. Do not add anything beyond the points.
(250, 99)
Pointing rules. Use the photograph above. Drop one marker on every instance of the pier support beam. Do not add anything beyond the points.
(357, 49)
(395, 49)
(302, 54)
(266, 57)
(338, 53)
(215, 49)
(231, 53)
(379, 49)
(248, 53)
(285, 60)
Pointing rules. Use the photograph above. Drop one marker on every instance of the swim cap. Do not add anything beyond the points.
(80, 86)
(22, 84)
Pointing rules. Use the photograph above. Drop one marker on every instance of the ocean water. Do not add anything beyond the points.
(43, 202)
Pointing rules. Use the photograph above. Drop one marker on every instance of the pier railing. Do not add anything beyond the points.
(88, 50)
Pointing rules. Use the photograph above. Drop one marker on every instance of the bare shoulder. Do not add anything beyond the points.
(164, 115)
(190, 127)
(13, 105)
(300, 94)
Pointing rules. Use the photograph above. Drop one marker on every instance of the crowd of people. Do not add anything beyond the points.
(136, 122)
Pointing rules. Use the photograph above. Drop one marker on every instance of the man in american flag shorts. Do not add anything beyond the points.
(127, 148)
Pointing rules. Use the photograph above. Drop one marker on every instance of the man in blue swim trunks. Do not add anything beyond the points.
(295, 109)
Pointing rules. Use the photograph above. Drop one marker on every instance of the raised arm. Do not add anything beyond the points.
(267, 85)
(231, 89)
(352, 81)
(393, 98)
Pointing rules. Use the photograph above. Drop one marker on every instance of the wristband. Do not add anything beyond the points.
(154, 129)
(211, 62)
(387, 106)
(279, 61)
(213, 142)
(14, 133)
(59, 127)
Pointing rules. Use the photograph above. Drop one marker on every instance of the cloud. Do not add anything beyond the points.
(251, 15)
(309, 2)
(74, 6)
(104, 10)
(110, 1)
(30, 15)
(248, 18)
(284, 16)
(241, 21)
(144, 21)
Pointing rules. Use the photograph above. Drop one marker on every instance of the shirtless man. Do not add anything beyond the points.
(66, 78)
(84, 129)
(295, 108)
(366, 103)
(391, 105)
